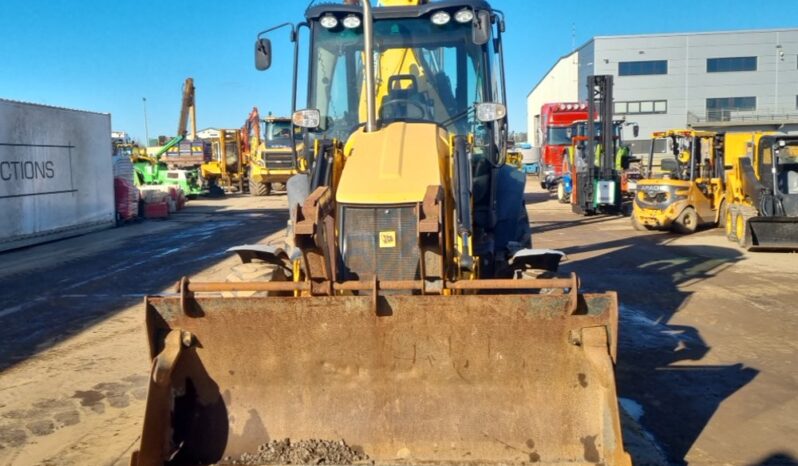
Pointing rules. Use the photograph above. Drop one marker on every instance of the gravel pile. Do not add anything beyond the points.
(302, 452)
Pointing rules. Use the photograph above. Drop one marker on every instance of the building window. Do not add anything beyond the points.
(720, 109)
(640, 68)
(722, 65)
(796, 102)
(641, 107)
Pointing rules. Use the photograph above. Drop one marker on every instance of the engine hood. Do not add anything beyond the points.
(393, 165)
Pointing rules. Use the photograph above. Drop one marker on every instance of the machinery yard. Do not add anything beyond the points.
(706, 359)
(372, 258)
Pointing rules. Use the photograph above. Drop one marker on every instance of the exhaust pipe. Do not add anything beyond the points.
(368, 49)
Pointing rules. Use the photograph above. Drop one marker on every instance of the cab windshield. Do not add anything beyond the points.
(558, 136)
(278, 133)
(423, 72)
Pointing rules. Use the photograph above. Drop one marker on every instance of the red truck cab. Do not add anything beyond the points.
(555, 119)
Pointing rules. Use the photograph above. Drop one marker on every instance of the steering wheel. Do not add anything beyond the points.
(422, 110)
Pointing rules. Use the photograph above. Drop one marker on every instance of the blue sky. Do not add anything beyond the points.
(105, 55)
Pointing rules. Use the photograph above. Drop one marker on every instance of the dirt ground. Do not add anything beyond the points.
(707, 359)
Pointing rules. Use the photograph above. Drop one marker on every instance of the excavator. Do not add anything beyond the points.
(407, 314)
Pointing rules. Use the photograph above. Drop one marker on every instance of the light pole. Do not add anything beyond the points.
(146, 129)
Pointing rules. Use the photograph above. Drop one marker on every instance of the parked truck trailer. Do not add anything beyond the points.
(56, 173)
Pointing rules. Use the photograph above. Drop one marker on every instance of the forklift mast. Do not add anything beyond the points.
(599, 107)
(597, 182)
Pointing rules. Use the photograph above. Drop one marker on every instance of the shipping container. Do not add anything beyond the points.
(56, 173)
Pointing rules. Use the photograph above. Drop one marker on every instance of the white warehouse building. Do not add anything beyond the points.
(734, 80)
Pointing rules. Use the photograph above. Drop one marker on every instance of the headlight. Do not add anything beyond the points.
(328, 21)
(489, 111)
(308, 118)
(464, 16)
(440, 18)
(352, 22)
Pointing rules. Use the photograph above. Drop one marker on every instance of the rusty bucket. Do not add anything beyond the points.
(467, 378)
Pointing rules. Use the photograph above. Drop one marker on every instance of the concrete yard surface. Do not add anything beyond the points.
(706, 373)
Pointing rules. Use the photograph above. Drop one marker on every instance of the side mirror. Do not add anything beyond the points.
(263, 54)
(308, 118)
(489, 111)
(481, 28)
(636, 130)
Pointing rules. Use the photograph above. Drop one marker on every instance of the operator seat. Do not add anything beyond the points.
(404, 104)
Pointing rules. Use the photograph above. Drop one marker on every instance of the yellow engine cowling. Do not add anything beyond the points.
(394, 165)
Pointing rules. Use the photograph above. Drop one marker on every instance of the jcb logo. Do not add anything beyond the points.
(387, 239)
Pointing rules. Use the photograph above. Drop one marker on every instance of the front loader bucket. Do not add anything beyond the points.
(773, 232)
(500, 378)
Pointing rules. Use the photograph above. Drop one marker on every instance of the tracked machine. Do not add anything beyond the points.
(407, 313)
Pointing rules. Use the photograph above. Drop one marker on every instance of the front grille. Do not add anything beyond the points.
(653, 197)
(279, 161)
(363, 253)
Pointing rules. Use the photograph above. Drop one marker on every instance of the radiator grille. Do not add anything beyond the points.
(396, 257)
(278, 160)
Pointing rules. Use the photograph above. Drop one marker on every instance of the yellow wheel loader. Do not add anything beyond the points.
(407, 316)
(688, 188)
(762, 190)
(276, 160)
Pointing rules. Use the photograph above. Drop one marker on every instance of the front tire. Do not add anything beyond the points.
(258, 189)
(255, 272)
(561, 194)
(687, 222)
(636, 223)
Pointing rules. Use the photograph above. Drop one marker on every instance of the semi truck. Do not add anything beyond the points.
(555, 120)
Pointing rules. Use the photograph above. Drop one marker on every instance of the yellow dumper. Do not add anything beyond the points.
(407, 317)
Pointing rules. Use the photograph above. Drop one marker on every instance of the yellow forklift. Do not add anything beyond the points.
(688, 189)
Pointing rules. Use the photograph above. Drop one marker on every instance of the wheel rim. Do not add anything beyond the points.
(560, 192)
(740, 230)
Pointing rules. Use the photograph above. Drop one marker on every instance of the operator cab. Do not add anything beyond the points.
(277, 132)
(785, 178)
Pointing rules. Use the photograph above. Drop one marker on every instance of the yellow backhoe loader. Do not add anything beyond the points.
(407, 316)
